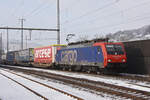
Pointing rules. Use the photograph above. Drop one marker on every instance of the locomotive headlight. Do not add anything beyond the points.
(109, 60)
(123, 60)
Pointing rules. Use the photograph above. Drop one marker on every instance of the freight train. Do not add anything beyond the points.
(93, 57)
(81, 57)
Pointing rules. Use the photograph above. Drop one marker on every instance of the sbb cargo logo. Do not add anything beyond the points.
(69, 56)
(43, 53)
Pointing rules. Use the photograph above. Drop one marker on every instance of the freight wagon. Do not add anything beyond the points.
(11, 58)
(25, 57)
(45, 56)
(3, 59)
(92, 57)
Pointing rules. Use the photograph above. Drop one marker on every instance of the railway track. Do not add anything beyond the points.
(34, 92)
(124, 92)
(131, 77)
(119, 76)
(135, 78)
(42, 84)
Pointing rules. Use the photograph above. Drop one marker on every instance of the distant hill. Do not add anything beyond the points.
(131, 35)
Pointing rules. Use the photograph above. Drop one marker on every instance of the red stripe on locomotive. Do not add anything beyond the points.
(115, 57)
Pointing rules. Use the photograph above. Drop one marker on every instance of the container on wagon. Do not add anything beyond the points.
(3, 59)
(25, 57)
(11, 57)
(45, 56)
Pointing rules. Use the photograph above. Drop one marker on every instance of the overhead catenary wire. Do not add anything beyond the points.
(18, 7)
(90, 12)
(109, 15)
(35, 10)
(13, 13)
(71, 5)
(124, 10)
(45, 39)
(131, 20)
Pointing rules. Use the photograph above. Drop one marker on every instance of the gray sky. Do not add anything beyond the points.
(81, 17)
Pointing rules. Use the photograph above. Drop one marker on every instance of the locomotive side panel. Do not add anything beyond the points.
(83, 56)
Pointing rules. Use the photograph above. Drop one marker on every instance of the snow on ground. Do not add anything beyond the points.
(80, 92)
(126, 74)
(109, 80)
(46, 92)
(10, 90)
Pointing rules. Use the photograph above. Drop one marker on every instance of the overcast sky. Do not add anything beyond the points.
(80, 17)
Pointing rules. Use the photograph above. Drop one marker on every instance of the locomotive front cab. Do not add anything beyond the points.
(114, 54)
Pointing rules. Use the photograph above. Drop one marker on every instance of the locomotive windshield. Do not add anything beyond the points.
(114, 49)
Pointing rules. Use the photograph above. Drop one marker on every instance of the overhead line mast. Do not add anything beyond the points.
(22, 20)
(7, 39)
(28, 29)
(58, 22)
